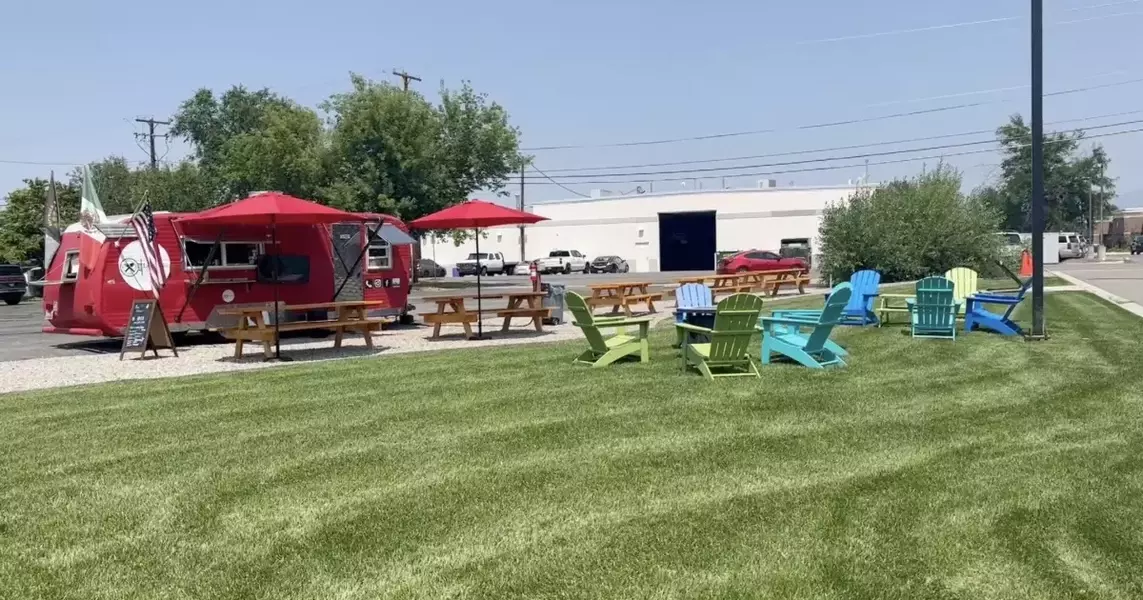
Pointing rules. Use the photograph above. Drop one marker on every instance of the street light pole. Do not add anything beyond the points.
(1038, 331)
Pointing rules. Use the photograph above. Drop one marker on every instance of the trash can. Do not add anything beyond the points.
(555, 298)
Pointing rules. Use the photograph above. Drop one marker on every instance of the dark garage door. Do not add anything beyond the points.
(687, 241)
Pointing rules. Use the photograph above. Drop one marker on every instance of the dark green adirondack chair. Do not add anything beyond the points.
(934, 309)
(603, 351)
(727, 354)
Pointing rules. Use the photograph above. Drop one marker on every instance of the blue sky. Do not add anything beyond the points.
(585, 73)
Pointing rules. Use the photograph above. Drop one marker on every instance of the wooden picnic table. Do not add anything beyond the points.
(888, 304)
(254, 326)
(623, 295)
(452, 309)
(763, 281)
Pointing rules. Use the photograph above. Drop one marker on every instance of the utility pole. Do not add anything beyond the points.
(1101, 203)
(405, 78)
(520, 206)
(1038, 331)
(151, 136)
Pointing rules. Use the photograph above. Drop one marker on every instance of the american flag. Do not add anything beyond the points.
(144, 223)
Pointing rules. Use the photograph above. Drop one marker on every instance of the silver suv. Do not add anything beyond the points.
(1071, 246)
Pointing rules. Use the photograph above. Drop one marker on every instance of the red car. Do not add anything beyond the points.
(759, 260)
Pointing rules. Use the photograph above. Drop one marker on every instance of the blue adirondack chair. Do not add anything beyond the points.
(977, 317)
(693, 296)
(934, 309)
(813, 349)
(859, 310)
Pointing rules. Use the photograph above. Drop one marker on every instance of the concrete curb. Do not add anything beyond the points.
(1123, 303)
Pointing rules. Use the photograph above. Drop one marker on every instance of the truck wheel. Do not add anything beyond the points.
(484, 271)
(587, 269)
(12, 300)
(567, 269)
(510, 270)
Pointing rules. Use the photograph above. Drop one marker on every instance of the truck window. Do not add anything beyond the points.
(71, 266)
(380, 255)
(475, 256)
(559, 254)
(229, 254)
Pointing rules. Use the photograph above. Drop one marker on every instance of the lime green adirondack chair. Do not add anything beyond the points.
(605, 350)
(727, 352)
(965, 282)
(934, 309)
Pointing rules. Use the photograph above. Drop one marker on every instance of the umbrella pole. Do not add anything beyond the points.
(479, 306)
(277, 293)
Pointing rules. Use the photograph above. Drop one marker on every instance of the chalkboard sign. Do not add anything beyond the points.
(146, 330)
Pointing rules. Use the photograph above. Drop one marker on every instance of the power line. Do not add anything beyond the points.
(944, 26)
(716, 170)
(855, 165)
(831, 149)
(566, 188)
(897, 115)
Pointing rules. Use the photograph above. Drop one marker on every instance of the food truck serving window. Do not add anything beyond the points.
(229, 254)
(380, 255)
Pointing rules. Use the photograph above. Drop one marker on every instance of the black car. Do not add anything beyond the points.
(608, 264)
(429, 268)
(1137, 244)
(12, 284)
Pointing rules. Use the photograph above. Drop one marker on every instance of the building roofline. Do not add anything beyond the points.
(807, 188)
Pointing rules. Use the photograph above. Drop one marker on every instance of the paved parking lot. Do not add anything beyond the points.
(1124, 279)
(20, 335)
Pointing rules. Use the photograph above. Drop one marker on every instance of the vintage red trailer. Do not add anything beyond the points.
(318, 261)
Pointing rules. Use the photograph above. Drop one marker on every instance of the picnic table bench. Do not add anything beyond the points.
(763, 281)
(254, 326)
(464, 316)
(623, 295)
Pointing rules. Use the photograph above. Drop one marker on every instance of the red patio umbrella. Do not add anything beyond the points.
(272, 209)
(476, 214)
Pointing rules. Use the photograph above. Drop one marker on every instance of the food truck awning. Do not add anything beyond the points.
(392, 234)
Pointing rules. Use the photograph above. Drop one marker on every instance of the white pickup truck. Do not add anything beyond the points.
(563, 261)
(491, 263)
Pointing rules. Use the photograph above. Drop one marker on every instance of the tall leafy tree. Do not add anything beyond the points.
(394, 151)
(22, 218)
(1070, 175)
(250, 140)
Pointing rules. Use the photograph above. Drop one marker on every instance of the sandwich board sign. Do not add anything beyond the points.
(146, 330)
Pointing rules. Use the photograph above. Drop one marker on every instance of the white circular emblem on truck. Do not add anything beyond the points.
(133, 267)
(228, 296)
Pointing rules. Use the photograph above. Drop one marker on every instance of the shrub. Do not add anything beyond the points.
(909, 229)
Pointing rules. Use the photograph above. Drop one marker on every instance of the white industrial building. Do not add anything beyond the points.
(661, 231)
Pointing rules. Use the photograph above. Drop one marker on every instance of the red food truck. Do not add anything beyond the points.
(355, 261)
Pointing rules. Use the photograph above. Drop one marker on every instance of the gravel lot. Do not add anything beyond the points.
(32, 360)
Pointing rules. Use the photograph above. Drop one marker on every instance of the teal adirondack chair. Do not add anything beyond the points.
(783, 335)
(934, 309)
(602, 350)
(727, 354)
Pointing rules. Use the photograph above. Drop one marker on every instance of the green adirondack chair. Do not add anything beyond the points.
(602, 350)
(727, 353)
(934, 309)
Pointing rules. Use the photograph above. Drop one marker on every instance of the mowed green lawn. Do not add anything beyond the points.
(984, 468)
